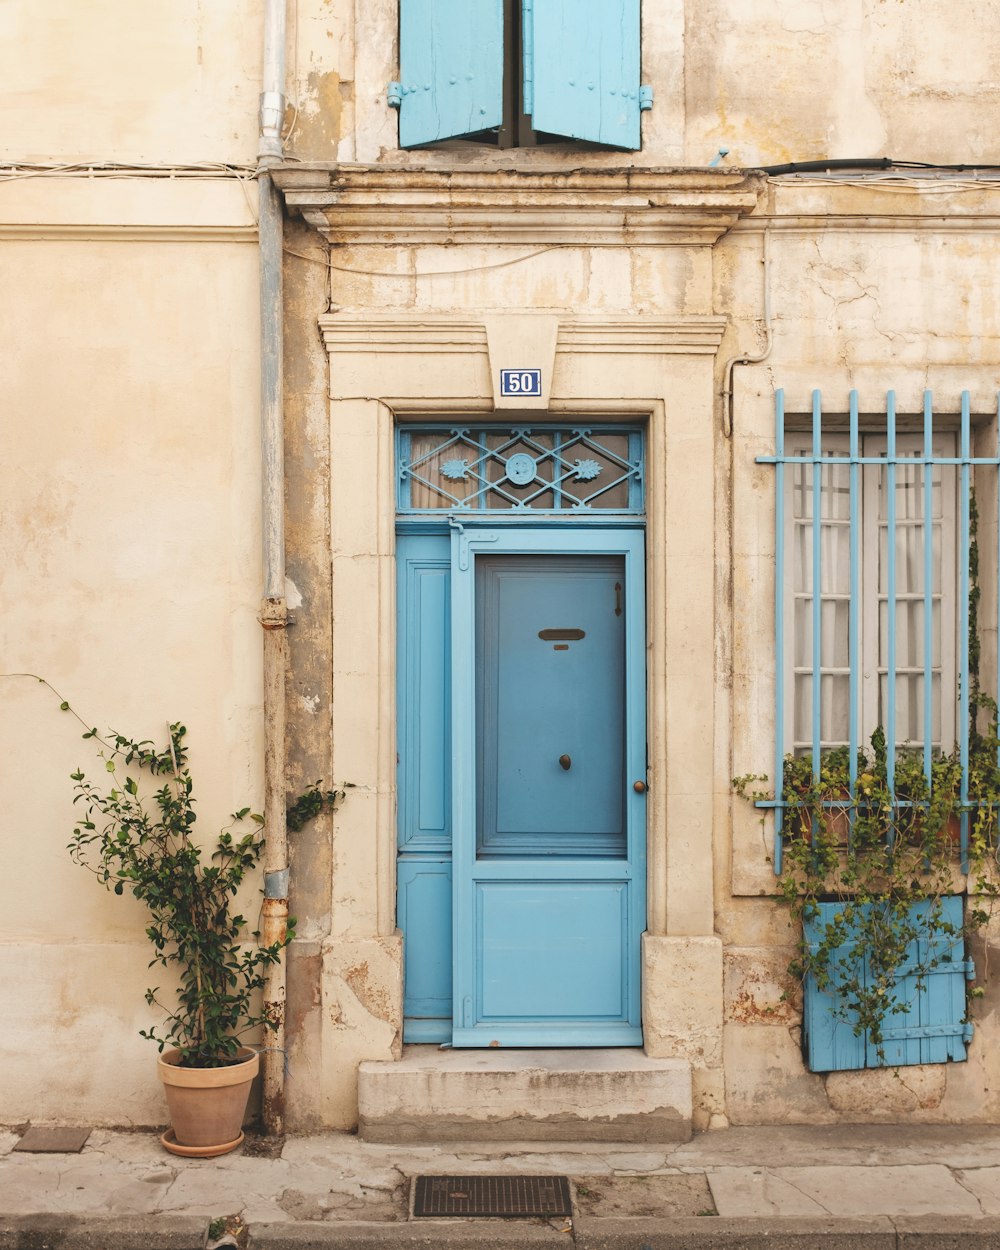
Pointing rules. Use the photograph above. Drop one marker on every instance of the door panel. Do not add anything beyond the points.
(549, 883)
(572, 933)
(550, 656)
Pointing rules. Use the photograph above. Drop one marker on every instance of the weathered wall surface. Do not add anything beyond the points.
(130, 535)
(873, 287)
(795, 80)
(130, 525)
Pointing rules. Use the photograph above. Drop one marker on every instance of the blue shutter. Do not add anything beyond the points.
(581, 69)
(451, 69)
(827, 1030)
(932, 1030)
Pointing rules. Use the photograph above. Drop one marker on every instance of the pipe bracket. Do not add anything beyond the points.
(276, 884)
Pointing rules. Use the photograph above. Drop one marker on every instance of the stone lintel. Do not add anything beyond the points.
(608, 207)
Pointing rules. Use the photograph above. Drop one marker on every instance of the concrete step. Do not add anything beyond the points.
(434, 1095)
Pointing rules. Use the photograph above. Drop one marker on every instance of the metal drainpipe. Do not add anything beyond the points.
(274, 609)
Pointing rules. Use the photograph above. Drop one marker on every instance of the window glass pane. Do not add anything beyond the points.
(909, 558)
(834, 621)
(835, 491)
(835, 693)
(910, 491)
(910, 632)
(910, 708)
(442, 471)
(834, 554)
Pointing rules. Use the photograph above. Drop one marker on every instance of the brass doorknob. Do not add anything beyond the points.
(565, 762)
(639, 787)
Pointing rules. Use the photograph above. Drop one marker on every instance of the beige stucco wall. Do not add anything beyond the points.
(130, 534)
(130, 569)
(112, 81)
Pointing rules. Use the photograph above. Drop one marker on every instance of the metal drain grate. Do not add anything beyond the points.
(491, 1195)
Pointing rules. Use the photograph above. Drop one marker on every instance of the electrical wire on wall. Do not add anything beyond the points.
(745, 358)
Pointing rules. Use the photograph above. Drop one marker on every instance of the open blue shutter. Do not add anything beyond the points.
(828, 1030)
(933, 1029)
(581, 69)
(451, 69)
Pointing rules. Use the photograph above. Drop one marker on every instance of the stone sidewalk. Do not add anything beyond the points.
(885, 1188)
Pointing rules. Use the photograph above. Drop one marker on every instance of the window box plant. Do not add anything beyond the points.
(874, 873)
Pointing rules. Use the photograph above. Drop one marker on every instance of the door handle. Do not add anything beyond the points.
(565, 763)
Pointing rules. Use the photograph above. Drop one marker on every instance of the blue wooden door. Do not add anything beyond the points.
(548, 827)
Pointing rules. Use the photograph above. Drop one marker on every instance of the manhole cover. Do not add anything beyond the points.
(491, 1195)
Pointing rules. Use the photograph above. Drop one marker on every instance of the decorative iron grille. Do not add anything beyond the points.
(917, 471)
(549, 469)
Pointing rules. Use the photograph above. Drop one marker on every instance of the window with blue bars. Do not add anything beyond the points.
(876, 598)
(872, 583)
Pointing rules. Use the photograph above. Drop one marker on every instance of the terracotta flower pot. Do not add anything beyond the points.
(206, 1105)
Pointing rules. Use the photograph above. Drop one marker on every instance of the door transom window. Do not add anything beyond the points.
(537, 469)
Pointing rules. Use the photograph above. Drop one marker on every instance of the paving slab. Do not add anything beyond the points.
(960, 1146)
(636, 1196)
(984, 1183)
(926, 1189)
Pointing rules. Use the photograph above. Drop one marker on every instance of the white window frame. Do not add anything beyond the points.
(873, 665)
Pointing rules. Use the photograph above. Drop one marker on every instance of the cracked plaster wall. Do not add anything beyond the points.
(906, 305)
(772, 82)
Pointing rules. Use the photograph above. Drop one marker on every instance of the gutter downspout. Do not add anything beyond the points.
(274, 609)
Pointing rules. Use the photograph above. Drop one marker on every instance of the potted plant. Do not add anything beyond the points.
(134, 832)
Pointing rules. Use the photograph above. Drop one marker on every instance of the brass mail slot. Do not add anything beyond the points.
(561, 635)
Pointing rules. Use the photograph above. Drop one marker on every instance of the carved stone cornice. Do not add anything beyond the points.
(601, 207)
(667, 336)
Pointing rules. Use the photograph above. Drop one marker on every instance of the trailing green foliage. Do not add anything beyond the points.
(313, 800)
(888, 854)
(136, 836)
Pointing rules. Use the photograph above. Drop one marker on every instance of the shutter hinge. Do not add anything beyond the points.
(394, 94)
(645, 98)
(969, 968)
(967, 1031)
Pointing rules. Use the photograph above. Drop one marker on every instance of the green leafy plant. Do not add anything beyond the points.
(887, 854)
(311, 802)
(136, 835)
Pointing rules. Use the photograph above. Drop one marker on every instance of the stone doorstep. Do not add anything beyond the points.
(435, 1095)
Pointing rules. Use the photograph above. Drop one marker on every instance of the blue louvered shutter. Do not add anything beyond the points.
(930, 1027)
(451, 69)
(831, 1043)
(931, 983)
(581, 70)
